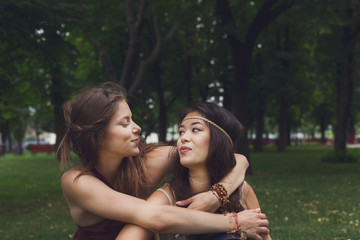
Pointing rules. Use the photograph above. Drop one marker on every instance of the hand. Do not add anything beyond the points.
(254, 223)
(205, 201)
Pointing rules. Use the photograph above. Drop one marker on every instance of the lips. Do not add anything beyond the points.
(135, 141)
(184, 149)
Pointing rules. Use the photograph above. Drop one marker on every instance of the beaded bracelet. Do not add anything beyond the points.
(220, 193)
(235, 225)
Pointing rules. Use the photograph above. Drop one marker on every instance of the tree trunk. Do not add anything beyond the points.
(260, 123)
(241, 53)
(283, 125)
(5, 136)
(188, 80)
(344, 90)
(351, 127)
(57, 101)
(162, 106)
(322, 131)
(261, 107)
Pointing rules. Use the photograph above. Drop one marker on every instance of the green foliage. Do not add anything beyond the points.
(38, 36)
(336, 156)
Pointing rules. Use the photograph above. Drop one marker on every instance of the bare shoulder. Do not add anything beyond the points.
(74, 181)
(70, 175)
(163, 196)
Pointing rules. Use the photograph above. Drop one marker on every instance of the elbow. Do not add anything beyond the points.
(160, 223)
(246, 163)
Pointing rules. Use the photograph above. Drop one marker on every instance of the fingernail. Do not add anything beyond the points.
(178, 202)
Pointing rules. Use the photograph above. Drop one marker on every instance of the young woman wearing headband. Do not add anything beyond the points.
(116, 171)
(204, 156)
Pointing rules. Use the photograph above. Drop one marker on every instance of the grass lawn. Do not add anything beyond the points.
(305, 198)
(302, 197)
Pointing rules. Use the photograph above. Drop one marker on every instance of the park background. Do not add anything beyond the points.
(287, 69)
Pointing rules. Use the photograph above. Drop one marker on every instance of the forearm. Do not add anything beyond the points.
(237, 175)
(169, 219)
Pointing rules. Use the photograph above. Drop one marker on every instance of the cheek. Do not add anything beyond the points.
(178, 143)
(206, 143)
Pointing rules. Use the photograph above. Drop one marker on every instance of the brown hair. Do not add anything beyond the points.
(87, 118)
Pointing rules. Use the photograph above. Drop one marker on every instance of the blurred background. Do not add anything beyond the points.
(287, 69)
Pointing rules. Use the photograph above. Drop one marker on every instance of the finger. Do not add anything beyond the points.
(263, 230)
(262, 216)
(257, 237)
(264, 223)
(257, 210)
(184, 202)
(193, 206)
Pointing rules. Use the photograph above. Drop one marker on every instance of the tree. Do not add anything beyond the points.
(242, 44)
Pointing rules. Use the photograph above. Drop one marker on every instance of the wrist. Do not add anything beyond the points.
(219, 191)
(240, 229)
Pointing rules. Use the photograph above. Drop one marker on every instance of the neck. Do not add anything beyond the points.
(199, 180)
(108, 167)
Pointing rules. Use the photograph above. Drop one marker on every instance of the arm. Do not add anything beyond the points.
(138, 233)
(252, 202)
(158, 163)
(135, 232)
(90, 195)
(207, 201)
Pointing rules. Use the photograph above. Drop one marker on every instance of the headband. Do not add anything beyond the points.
(212, 123)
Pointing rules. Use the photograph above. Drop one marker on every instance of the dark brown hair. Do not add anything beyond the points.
(220, 160)
(87, 117)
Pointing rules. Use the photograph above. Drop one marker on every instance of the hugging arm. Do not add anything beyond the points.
(159, 165)
(207, 201)
(89, 194)
(135, 232)
(251, 220)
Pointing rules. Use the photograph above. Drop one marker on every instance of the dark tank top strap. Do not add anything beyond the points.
(98, 175)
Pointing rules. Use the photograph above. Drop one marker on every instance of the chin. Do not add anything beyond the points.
(185, 163)
(135, 153)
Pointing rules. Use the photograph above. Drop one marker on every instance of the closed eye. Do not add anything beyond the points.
(125, 124)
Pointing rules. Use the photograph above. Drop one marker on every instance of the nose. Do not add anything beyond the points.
(184, 138)
(136, 129)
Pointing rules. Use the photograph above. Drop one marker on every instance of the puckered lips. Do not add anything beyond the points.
(184, 149)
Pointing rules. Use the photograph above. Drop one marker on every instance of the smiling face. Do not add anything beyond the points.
(122, 134)
(193, 143)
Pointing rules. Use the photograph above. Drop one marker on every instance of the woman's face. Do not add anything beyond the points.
(194, 140)
(122, 134)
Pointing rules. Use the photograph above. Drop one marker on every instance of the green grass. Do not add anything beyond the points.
(31, 202)
(303, 197)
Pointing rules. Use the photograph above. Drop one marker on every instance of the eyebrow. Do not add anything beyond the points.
(124, 118)
(193, 123)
